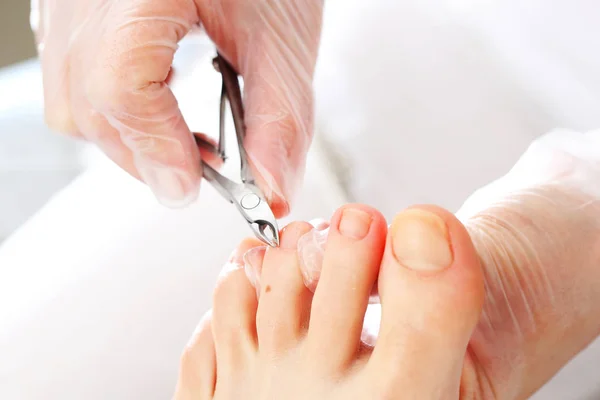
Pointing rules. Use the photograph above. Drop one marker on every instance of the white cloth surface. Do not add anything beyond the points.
(33, 162)
(418, 101)
(101, 289)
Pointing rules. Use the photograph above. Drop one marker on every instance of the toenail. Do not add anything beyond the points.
(290, 235)
(355, 223)
(420, 240)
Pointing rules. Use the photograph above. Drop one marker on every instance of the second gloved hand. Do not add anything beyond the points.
(537, 233)
(105, 69)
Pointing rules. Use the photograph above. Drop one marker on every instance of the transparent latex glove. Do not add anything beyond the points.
(537, 233)
(106, 65)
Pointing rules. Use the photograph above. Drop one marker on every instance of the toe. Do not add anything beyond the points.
(353, 252)
(431, 291)
(198, 367)
(234, 313)
(284, 305)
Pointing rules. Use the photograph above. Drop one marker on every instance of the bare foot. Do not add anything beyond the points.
(284, 342)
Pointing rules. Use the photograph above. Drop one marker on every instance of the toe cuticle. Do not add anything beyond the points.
(420, 241)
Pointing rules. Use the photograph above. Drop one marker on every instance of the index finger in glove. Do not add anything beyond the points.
(126, 86)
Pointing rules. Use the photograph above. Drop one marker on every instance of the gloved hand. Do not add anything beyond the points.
(537, 233)
(106, 65)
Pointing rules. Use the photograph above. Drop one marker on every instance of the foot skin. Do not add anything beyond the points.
(282, 341)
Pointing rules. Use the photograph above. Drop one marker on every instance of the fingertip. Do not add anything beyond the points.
(150, 125)
(169, 163)
(278, 190)
(280, 206)
(277, 142)
(60, 119)
(172, 187)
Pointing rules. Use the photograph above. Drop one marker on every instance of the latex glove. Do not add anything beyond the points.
(537, 232)
(105, 69)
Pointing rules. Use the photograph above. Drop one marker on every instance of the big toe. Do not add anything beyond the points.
(431, 291)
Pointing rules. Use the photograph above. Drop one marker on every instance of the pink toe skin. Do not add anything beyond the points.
(311, 248)
(350, 265)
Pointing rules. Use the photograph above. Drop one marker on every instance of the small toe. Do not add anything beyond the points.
(284, 300)
(234, 313)
(431, 290)
(353, 252)
(198, 366)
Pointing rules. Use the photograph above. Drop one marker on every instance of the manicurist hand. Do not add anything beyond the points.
(106, 64)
